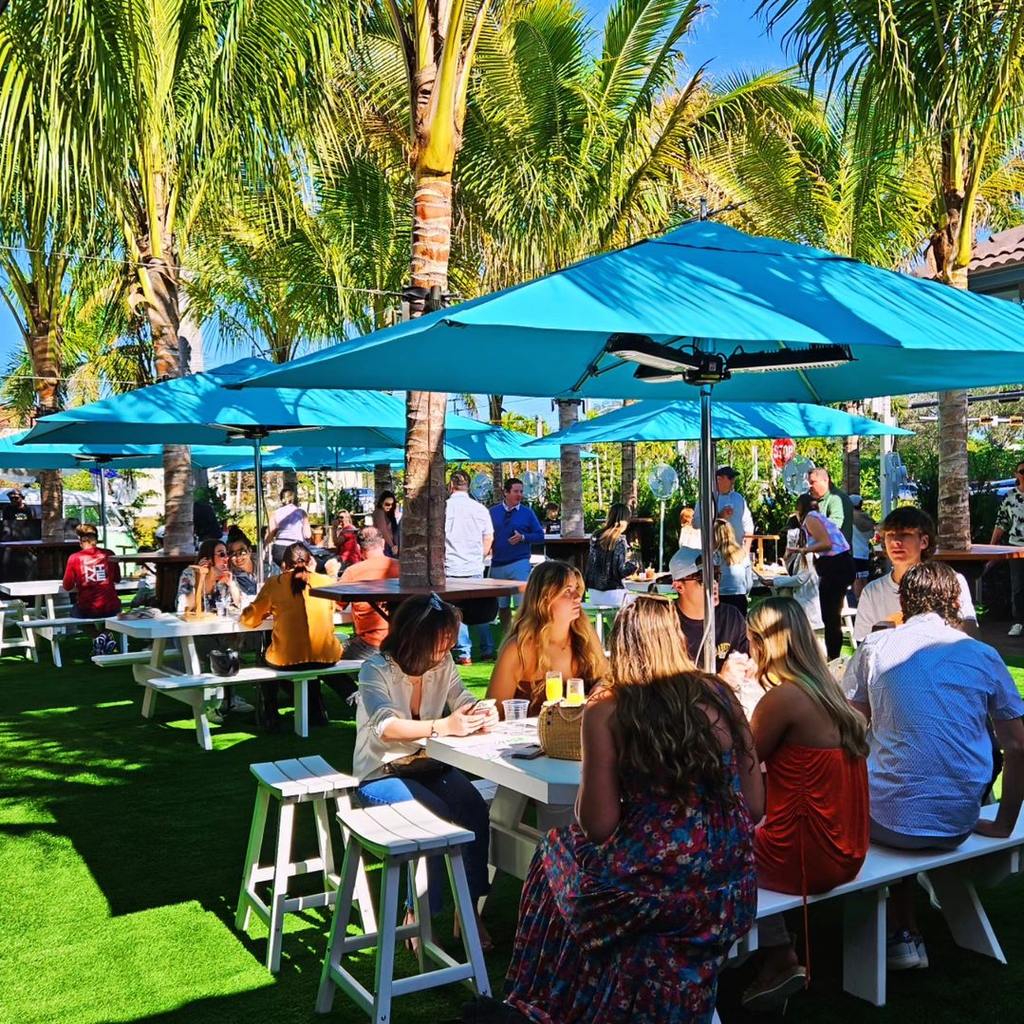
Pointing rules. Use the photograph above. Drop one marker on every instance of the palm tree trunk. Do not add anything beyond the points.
(851, 456)
(43, 346)
(629, 483)
(572, 472)
(495, 409)
(382, 479)
(954, 510)
(163, 313)
(422, 553)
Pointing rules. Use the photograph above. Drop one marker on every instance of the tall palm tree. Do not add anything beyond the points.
(48, 189)
(199, 92)
(945, 79)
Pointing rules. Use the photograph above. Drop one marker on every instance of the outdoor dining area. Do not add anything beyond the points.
(561, 803)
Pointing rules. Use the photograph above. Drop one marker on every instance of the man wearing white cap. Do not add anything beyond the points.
(730, 625)
(731, 506)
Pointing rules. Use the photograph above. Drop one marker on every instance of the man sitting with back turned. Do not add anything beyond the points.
(730, 625)
(928, 691)
(369, 626)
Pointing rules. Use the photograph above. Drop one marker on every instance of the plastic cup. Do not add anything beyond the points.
(516, 711)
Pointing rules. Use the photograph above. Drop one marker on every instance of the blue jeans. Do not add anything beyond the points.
(484, 639)
(512, 571)
(453, 797)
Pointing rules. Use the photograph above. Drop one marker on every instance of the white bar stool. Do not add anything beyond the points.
(401, 835)
(298, 781)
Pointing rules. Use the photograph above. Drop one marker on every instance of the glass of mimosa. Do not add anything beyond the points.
(575, 694)
(553, 687)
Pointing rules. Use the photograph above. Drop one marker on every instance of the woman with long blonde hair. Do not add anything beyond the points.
(610, 562)
(814, 748)
(550, 633)
(615, 923)
(734, 561)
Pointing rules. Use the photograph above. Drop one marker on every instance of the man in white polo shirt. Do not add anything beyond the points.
(909, 538)
(468, 536)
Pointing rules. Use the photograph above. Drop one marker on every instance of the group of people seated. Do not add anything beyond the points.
(690, 799)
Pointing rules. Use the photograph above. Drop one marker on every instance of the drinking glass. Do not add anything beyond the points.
(575, 693)
(553, 686)
(516, 711)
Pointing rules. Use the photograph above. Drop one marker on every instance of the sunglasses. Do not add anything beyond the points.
(238, 553)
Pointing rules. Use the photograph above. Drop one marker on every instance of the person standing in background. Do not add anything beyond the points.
(731, 506)
(863, 533)
(468, 538)
(833, 503)
(734, 562)
(289, 525)
(689, 535)
(385, 520)
(516, 527)
(1009, 529)
(610, 560)
(92, 574)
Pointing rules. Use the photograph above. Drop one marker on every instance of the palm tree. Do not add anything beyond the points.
(944, 79)
(197, 93)
(48, 192)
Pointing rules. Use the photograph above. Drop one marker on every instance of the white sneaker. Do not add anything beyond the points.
(1016, 629)
(240, 706)
(922, 953)
(901, 952)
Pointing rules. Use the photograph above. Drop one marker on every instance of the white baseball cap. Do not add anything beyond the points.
(159, 532)
(687, 562)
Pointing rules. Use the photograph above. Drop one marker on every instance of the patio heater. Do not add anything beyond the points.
(659, 363)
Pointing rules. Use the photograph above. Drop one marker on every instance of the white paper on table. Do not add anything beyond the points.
(502, 738)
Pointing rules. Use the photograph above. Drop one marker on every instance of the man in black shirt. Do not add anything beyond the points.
(730, 625)
(16, 511)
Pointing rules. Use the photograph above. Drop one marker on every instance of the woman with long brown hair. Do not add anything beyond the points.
(628, 915)
(610, 560)
(550, 634)
(813, 745)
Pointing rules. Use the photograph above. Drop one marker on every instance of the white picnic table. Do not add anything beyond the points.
(44, 607)
(550, 782)
(954, 874)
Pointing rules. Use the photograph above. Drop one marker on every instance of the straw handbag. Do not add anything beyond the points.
(559, 728)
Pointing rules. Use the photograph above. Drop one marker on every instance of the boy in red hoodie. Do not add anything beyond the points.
(92, 573)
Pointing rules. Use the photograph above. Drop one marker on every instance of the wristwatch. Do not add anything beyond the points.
(433, 730)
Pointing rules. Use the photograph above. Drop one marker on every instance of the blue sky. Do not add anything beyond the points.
(728, 36)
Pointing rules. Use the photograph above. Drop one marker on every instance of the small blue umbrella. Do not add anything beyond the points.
(655, 420)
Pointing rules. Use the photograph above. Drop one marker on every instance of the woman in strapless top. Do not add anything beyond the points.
(550, 634)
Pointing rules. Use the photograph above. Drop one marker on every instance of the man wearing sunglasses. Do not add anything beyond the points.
(730, 625)
(1009, 529)
(516, 527)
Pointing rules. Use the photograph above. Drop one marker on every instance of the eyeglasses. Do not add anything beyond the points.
(220, 554)
(238, 553)
(300, 563)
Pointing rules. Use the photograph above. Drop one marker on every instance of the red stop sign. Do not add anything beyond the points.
(783, 449)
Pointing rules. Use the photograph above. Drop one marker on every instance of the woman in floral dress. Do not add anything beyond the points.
(628, 916)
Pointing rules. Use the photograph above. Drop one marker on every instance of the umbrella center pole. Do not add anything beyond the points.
(261, 548)
(103, 507)
(661, 539)
(709, 503)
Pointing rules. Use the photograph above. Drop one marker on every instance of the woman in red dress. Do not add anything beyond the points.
(812, 744)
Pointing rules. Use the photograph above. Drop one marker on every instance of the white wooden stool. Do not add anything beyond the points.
(401, 835)
(302, 780)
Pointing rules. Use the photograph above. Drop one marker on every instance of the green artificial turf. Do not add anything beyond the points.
(121, 847)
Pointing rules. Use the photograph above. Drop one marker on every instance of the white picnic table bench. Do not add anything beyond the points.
(48, 618)
(188, 683)
(953, 874)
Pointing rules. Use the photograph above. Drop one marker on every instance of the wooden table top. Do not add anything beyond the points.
(391, 591)
(980, 553)
(554, 538)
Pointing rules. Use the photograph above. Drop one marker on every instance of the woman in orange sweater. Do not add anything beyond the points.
(303, 635)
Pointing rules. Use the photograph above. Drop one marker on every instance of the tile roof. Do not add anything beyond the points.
(1002, 250)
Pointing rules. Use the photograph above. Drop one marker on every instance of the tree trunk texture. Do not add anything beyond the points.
(851, 456)
(572, 472)
(44, 347)
(630, 493)
(422, 551)
(162, 311)
(954, 507)
(382, 479)
(495, 409)
(290, 479)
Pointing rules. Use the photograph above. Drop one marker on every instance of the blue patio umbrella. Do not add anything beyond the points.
(704, 306)
(14, 455)
(202, 409)
(655, 420)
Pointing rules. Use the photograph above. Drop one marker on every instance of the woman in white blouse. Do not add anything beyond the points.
(409, 692)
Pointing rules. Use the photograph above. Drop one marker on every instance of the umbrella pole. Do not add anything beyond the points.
(257, 465)
(707, 526)
(661, 539)
(103, 507)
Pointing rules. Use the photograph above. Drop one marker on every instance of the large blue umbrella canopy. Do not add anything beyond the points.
(202, 410)
(497, 445)
(702, 283)
(14, 455)
(680, 421)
